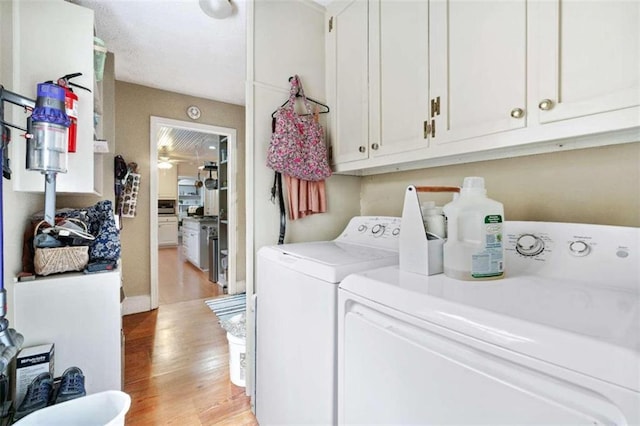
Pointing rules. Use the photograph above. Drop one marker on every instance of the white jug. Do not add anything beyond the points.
(474, 249)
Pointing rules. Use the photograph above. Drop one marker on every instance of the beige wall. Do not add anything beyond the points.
(597, 185)
(16, 206)
(134, 106)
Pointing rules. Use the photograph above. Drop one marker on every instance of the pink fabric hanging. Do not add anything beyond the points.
(305, 197)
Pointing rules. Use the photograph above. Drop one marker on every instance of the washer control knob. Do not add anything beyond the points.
(362, 228)
(377, 230)
(579, 248)
(529, 245)
(396, 231)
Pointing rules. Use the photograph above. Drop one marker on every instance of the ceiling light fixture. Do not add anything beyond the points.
(165, 165)
(217, 9)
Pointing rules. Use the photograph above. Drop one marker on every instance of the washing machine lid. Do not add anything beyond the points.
(329, 261)
(592, 328)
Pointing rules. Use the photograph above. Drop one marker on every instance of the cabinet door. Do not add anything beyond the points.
(194, 249)
(167, 233)
(347, 75)
(52, 39)
(588, 57)
(399, 75)
(185, 243)
(168, 183)
(477, 67)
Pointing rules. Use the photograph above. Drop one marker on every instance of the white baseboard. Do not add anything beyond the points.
(136, 304)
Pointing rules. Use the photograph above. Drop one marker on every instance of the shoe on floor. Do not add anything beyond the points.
(37, 396)
(71, 385)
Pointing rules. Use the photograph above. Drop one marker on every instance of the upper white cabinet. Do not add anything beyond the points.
(168, 183)
(51, 38)
(377, 64)
(398, 76)
(347, 79)
(477, 67)
(587, 57)
(458, 80)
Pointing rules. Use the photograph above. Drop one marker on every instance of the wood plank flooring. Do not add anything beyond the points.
(177, 363)
(179, 280)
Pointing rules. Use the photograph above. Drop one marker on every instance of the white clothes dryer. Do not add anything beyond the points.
(557, 341)
(296, 323)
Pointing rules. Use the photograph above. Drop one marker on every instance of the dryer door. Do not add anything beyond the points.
(396, 369)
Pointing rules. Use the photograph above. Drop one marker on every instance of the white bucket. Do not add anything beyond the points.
(99, 409)
(237, 361)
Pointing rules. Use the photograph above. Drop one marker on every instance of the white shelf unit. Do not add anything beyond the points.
(188, 195)
(79, 313)
(223, 228)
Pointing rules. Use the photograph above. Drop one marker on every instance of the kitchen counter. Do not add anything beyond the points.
(201, 219)
(195, 239)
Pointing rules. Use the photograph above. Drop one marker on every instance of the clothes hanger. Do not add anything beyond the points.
(273, 114)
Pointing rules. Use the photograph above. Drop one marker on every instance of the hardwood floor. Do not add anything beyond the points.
(179, 281)
(177, 359)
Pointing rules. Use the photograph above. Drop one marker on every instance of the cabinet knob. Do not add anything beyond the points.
(375, 146)
(545, 104)
(362, 149)
(517, 113)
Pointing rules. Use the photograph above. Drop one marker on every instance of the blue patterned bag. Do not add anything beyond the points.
(102, 225)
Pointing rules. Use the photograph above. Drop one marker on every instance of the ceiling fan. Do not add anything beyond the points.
(164, 159)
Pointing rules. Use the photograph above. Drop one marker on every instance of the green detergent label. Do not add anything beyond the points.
(489, 262)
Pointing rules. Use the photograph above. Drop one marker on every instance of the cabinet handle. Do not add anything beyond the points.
(375, 146)
(362, 149)
(517, 113)
(426, 129)
(435, 107)
(545, 104)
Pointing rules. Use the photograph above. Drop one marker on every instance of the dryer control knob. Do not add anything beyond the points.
(377, 230)
(579, 248)
(529, 245)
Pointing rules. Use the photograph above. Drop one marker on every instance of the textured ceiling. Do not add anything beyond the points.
(172, 45)
(186, 145)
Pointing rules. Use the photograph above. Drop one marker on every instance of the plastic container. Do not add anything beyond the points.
(434, 220)
(237, 359)
(99, 58)
(99, 409)
(474, 249)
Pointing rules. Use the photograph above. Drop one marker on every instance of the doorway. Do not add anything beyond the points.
(157, 127)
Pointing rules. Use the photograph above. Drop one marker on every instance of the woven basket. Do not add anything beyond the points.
(53, 260)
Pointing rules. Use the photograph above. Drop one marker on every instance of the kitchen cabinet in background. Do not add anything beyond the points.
(40, 51)
(191, 241)
(168, 184)
(167, 231)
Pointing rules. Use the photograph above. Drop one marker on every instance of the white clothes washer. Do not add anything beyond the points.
(557, 341)
(296, 323)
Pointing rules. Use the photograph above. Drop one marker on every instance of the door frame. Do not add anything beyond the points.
(231, 134)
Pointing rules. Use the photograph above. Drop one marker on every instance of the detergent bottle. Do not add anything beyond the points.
(474, 249)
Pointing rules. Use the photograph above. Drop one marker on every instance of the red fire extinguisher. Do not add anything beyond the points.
(71, 106)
